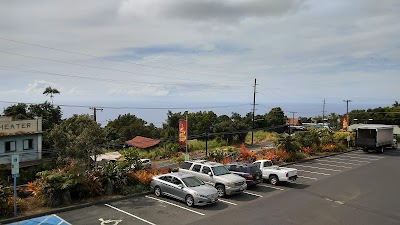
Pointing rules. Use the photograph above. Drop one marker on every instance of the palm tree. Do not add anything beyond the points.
(51, 91)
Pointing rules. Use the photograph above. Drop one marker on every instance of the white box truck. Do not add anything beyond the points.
(375, 137)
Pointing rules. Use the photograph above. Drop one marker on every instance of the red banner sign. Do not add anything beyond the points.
(345, 123)
(182, 133)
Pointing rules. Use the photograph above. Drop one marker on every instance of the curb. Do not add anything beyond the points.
(69, 208)
(319, 157)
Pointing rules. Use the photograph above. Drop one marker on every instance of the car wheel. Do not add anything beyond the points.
(221, 190)
(189, 201)
(273, 179)
(157, 191)
(365, 150)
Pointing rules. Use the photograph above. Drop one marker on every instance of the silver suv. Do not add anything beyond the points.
(215, 174)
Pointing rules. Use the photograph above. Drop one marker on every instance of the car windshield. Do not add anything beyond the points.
(192, 181)
(220, 170)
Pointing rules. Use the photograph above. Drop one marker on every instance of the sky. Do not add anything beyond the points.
(146, 57)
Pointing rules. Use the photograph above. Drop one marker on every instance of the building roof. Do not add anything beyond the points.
(292, 121)
(20, 133)
(142, 142)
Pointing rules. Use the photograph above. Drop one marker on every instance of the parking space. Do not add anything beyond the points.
(150, 209)
(311, 171)
(50, 219)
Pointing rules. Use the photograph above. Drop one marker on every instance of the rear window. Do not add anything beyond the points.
(254, 169)
(196, 168)
(186, 165)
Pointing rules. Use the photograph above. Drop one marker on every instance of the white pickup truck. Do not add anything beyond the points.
(276, 174)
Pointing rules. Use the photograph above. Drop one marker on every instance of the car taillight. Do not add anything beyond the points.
(287, 174)
(249, 176)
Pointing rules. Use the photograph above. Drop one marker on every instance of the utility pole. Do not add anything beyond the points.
(347, 109)
(254, 109)
(94, 112)
(290, 130)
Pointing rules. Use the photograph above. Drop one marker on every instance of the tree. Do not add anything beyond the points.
(128, 126)
(275, 117)
(50, 115)
(51, 91)
(77, 138)
(18, 112)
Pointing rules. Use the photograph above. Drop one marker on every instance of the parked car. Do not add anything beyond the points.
(217, 175)
(276, 174)
(251, 172)
(146, 163)
(184, 187)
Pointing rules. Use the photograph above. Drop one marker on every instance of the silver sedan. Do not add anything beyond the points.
(184, 187)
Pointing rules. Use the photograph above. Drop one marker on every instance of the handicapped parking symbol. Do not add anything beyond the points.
(111, 222)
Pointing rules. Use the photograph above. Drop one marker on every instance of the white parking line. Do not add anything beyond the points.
(190, 210)
(129, 214)
(351, 160)
(227, 202)
(354, 157)
(268, 186)
(325, 174)
(311, 178)
(364, 155)
(346, 163)
(249, 193)
(320, 168)
(324, 164)
(62, 220)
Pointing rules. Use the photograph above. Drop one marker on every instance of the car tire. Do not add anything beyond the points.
(273, 179)
(157, 191)
(221, 190)
(189, 200)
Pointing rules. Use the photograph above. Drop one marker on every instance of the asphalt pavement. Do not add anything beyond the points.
(351, 188)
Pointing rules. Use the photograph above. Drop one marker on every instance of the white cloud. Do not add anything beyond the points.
(216, 49)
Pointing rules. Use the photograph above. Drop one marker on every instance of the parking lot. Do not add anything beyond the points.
(149, 209)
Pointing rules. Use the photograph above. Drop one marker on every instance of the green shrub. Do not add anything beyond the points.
(180, 159)
(295, 156)
(261, 136)
(5, 195)
(28, 174)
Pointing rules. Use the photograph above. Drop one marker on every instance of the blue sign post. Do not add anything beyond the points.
(15, 174)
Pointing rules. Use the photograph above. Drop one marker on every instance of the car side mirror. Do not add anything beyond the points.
(210, 174)
(180, 186)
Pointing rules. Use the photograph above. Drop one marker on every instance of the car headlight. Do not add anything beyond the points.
(199, 195)
(230, 184)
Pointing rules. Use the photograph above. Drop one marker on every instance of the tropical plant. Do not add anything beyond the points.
(51, 91)
(5, 195)
(114, 176)
(288, 144)
(58, 187)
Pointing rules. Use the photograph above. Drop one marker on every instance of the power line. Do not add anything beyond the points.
(129, 107)
(90, 66)
(115, 60)
(99, 79)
